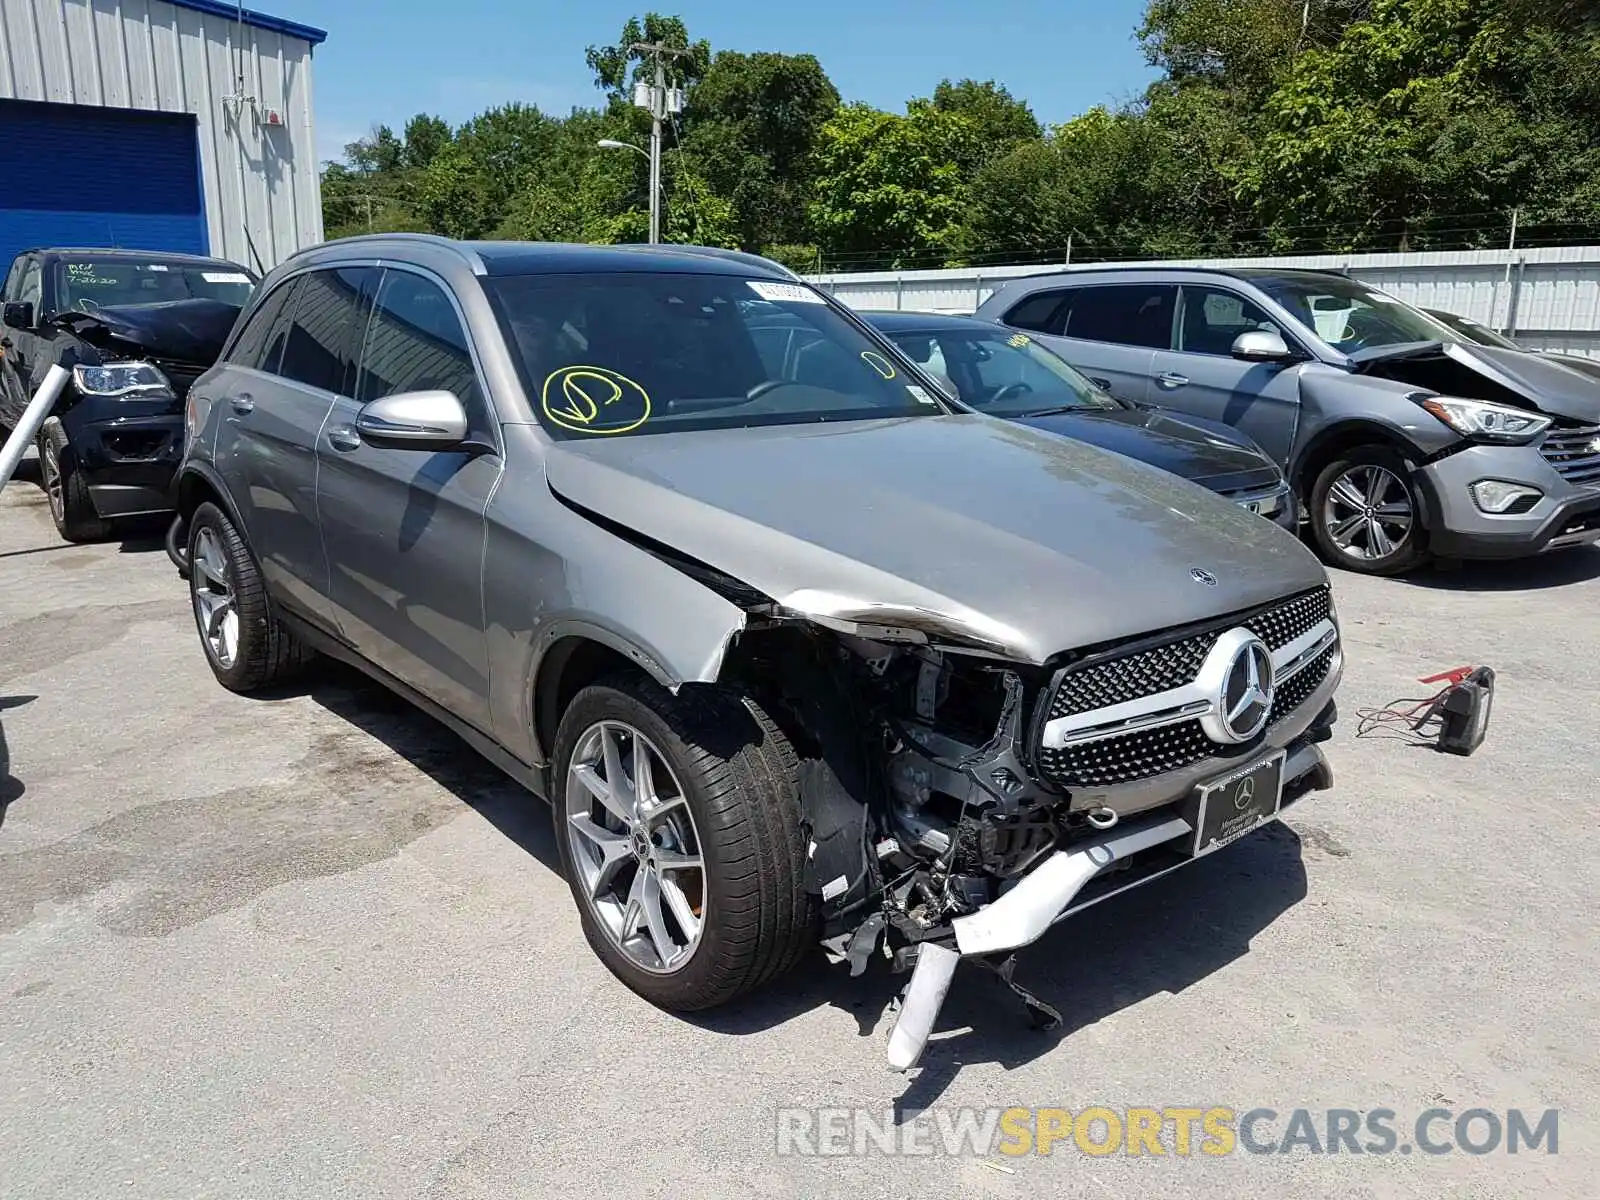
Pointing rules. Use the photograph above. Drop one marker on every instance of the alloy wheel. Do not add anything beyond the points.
(215, 606)
(50, 469)
(634, 847)
(1368, 512)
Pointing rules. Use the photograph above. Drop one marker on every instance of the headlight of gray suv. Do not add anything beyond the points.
(1490, 422)
(128, 379)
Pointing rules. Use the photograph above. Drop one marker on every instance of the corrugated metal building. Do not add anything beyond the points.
(157, 124)
(1547, 297)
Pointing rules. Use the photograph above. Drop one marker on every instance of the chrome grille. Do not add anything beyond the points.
(1145, 753)
(1297, 690)
(1574, 451)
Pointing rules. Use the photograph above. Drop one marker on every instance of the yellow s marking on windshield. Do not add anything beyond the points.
(1019, 340)
(594, 400)
(878, 363)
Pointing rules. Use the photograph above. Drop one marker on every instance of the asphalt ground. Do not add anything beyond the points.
(312, 946)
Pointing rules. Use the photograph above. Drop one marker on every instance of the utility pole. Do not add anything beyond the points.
(1511, 251)
(660, 101)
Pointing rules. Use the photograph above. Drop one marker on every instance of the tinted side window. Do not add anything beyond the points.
(1040, 312)
(1133, 314)
(416, 343)
(1213, 317)
(325, 330)
(31, 289)
(249, 348)
(14, 278)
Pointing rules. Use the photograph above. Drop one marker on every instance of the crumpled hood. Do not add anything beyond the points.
(1548, 384)
(191, 331)
(1220, 459)
(965, 526)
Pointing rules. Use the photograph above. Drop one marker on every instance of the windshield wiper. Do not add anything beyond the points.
(1064, 408)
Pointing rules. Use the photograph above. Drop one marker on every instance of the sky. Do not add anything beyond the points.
(386, 60)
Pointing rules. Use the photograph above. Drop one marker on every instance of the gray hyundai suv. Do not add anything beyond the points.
(1404, 437)
(797, 648)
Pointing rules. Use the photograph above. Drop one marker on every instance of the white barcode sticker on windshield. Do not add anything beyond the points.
(225, 276)
(781, 293)
(157, 267)
(917, 394)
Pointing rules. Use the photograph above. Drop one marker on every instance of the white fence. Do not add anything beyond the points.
(1548, 298)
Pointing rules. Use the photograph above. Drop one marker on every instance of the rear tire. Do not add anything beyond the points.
(71, 507)
(1366, 513)
(246, 645)
(724, 782)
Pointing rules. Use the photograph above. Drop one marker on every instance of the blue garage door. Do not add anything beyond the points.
(75, 176)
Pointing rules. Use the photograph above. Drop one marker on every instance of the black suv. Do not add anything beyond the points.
(135, 328)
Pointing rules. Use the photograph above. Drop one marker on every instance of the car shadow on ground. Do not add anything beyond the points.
(1158, 939)
(433, 749)
(11, 788)
(133, 535)
(1558, 569)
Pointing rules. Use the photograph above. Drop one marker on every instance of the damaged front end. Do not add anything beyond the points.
(936, 831)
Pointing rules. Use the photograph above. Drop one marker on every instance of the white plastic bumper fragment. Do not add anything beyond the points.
(930, 983)
(1018, 917)
(1023, 914)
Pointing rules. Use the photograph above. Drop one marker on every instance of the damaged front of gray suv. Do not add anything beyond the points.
(797, 649)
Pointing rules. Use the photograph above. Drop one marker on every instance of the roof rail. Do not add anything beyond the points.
(742, 256)
(472, 258)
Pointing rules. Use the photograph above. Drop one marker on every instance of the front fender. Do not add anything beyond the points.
(575, 579)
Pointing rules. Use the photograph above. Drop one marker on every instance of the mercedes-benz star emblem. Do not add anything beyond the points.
(1246, 795)
(1246, 698)
(1205, 577)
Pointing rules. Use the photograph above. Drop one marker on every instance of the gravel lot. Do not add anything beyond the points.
(313, 947)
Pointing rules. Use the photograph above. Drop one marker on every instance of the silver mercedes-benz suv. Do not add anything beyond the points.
(797, 648)
(1404, 437)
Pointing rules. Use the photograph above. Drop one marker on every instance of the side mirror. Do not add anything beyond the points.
(18, 314)
(1261, 345)
(414, 421)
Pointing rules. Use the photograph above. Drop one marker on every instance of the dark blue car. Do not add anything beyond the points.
(1007, 374)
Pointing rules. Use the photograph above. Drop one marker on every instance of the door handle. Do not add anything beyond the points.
(344, 437)
(242, 404)
(1169, 379)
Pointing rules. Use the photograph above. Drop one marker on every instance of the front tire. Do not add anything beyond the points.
(71, 507)
(1366, 513)
(678, 823)
(246, 645)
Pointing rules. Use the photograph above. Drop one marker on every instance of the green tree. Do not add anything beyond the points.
(618, 67)
(888, 188)
(753, 125)
(999, 119)
(1422, 125)
(425, 136)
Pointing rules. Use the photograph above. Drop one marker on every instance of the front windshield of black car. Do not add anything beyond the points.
(645, 352)
(1351, 316)
(87, 284)
(1001, 372)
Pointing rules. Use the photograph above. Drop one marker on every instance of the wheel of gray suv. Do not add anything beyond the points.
(678, 823)
(70, 506)
(246, 645)
(1366, 515)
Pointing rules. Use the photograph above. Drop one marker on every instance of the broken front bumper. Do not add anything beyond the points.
(1066, 883)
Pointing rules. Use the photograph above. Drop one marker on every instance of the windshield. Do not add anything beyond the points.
(1473, 331)
(639, 353)
(87, 284)
(1351, 316)
(1002, 373)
